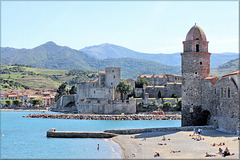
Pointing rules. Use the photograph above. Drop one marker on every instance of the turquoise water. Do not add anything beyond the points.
(25, 138)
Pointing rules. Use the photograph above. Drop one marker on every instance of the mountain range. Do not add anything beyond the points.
(226, 68)
(107, 50)
(132, 63)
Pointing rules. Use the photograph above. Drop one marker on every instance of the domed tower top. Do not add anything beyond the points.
(195, 33)
(195, 41)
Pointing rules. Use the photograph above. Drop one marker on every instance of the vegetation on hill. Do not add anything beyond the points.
(21, 77)
(226, 68)
(52, 56)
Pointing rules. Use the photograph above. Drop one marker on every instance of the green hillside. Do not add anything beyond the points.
(226, 68)
(52, 56)
(21, 77)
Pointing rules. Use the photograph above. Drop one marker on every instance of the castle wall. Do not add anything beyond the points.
(93, 90)
(65, 103)
(102, 106)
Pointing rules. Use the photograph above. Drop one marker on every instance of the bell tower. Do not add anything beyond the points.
(195, 67)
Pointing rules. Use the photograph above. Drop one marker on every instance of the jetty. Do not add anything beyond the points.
(106, 117)
(75, 134)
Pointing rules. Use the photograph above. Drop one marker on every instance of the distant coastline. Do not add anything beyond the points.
(21, 109)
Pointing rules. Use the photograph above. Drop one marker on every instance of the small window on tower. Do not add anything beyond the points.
(200, 63)
(195, 72)
(113, 76)
(197, 48)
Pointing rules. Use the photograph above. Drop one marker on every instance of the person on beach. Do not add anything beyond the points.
(163, 138)
(194, 131)
(199, 131)
(220, 151)
(220, 144)
(226, 152)
(210, 155)
(214, 144)
(156, 154)
(98, 147)
(175, 151)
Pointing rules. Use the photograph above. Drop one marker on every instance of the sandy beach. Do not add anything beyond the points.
(138, 148)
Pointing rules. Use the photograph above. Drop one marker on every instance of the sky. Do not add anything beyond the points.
(144, 26)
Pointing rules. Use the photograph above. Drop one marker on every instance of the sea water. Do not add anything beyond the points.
(25, 138)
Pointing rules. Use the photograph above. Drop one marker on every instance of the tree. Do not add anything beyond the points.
(140, 104)
(62, 90)
(167, 106)
(35, 102)
(159, 94)
(17, 102)
(179, 105)
(123, 88)
(154, 104)
(140, 82)
(8, 102)
(73, 90)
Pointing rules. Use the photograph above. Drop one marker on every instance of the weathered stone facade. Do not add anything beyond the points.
(100, 97)
(160, 80)
(205, 99)
(167, 90)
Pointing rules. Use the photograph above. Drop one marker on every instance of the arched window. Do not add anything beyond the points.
(229, 92)
(197, 48)
(197, 38)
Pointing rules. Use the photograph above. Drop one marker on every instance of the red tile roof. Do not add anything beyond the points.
(232, 73)
(151, 76)
(213, 79)
(101, 72)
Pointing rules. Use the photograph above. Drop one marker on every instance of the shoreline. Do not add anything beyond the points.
(122, 148)
(27, 110)
(180, 140)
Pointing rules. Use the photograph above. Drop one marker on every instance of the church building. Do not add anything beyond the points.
(207, 100)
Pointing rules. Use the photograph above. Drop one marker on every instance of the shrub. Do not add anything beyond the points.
(167, 106)
(17, 102)
(8, 102)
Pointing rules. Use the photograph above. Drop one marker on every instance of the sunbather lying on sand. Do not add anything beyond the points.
(210, 155)
(174, 151)
(156, 154)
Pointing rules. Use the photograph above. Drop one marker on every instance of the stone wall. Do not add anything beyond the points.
(166, 91)
(169, 129)
(98, 106)
(65, 103)
(195, 67)
(227, 95)
(93, 90)
(139, 92)
(112, 76)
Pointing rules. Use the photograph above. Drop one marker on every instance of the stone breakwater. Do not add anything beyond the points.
(74, 134)
(105, 117)
(168, 129)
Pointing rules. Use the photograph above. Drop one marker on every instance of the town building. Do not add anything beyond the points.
(161, 80)
(166, 85)
(47, 95)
